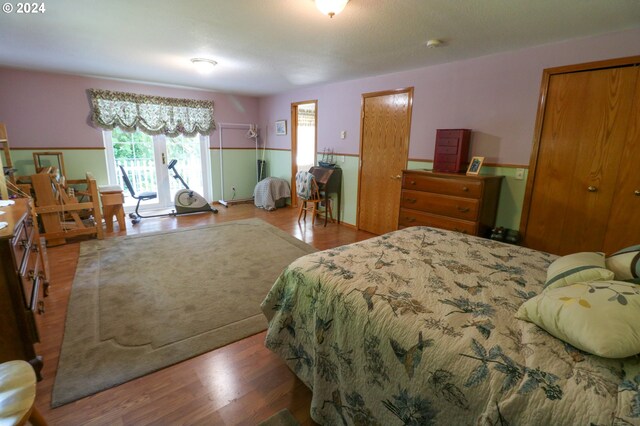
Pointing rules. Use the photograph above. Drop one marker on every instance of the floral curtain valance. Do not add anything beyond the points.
(151, 114)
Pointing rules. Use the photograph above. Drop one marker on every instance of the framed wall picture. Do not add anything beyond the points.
(281, 127)
(475, 165)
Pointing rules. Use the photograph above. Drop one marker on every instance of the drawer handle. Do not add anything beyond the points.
(463, 209)
(410, 200)
(465, 189)
(31, 274)
(592, 189)
(636, 193)
(40, 307)
(24, 244)
(460, 230)
(410, 219)
(412, 182)
(46, 287)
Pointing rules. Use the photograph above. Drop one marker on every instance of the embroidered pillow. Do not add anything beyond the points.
(625, 264)
(600, 317)
(577, 267)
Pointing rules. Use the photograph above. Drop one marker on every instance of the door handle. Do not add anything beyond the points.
(164, 158)
(396, 177)
(592, 189)
(636, 193)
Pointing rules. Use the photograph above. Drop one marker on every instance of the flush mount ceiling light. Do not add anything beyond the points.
(434, 42)
(331, 7)
(204, 66)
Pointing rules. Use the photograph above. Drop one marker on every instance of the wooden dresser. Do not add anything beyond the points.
(451, 201)
(23, 283)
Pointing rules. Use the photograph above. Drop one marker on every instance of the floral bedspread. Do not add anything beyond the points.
(417, 327)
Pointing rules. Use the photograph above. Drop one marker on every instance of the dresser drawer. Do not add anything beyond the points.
(20, 246)
(37, 309)
(415, 218)
(30, 274)
(458, 187)
(447, 149)
(445, 205)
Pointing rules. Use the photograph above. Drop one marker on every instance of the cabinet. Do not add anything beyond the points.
(583, 192)
(23, 283)
(452, 150)
(452, 201)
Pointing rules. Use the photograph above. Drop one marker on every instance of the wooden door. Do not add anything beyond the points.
(384, 148)
(581, 142)
(623, 229)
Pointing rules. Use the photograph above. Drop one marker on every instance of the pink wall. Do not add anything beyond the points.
(45, 110)
(496, 96)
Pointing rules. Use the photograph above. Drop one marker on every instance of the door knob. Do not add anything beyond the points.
(636, 193)
(592, 189)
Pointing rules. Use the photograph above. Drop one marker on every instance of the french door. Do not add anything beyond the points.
(146, 158)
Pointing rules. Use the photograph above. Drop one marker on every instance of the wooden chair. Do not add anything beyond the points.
(308, 193)
(18, 394)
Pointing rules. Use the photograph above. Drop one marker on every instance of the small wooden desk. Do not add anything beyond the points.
(112, 200)
(329, 181)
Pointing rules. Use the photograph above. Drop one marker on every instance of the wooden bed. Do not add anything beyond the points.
(418, 327)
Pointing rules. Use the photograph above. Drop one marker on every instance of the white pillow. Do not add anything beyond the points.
(625, 263)
(577, 267)
(600, 317)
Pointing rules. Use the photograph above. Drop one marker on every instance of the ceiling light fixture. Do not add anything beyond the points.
(331, 7)
(434, 42)
(204, 66)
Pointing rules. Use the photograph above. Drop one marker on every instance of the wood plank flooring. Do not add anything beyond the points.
(239, 384)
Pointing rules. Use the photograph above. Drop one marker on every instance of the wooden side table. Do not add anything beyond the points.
(112, 200)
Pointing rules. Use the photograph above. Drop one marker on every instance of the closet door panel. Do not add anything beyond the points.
(581, 144)
(624, 221)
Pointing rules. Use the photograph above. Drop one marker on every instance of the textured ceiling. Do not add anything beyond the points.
(269, 46)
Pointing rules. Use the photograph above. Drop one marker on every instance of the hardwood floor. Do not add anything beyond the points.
(242, 383)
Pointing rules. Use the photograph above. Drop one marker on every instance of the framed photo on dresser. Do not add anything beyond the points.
(475, 165)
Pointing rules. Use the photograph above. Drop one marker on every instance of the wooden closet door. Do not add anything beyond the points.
(583, 136)
(624, 225)
(384, 150)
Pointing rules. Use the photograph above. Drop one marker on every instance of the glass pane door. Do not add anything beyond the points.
(188, 151)
(136, 152)
(146, 158)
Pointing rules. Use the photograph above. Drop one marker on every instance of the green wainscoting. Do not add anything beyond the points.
(349, 166)
(240, 172)
(77, 162)
(511, 193)
(278, 163)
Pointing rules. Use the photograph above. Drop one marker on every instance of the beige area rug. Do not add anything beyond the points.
(141, 303)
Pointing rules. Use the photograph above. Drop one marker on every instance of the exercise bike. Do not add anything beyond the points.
(187, 200)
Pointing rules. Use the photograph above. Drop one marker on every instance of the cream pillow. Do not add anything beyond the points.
(577, 267)
(601, 317)
(625, 263)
